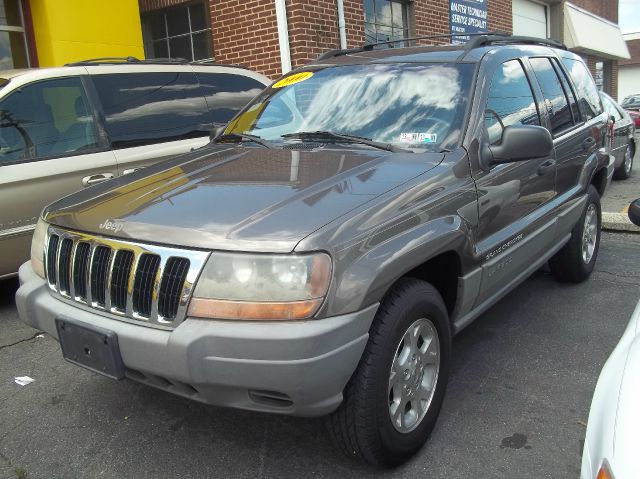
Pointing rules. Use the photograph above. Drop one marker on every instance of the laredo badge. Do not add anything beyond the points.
(292, 79)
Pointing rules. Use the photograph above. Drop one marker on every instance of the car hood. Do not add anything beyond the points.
(239, 198)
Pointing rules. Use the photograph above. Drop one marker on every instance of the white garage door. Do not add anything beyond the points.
(529, 18)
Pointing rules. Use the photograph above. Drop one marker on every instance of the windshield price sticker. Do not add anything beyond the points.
(418, 137)
(292, 79)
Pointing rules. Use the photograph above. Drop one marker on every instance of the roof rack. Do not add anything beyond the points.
(150, 61)
(477, 40)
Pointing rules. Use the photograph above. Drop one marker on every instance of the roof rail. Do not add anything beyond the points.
(127, 61)
(151, 61)
(370, 46)
(477, 40)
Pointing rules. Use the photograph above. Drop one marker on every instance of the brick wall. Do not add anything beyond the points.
(500, 15)
(245, 32)
(313, 29)
(634, 52)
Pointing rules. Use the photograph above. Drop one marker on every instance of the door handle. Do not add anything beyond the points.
(588, 143)
(94, 179)
(546, 167)
(129, 171)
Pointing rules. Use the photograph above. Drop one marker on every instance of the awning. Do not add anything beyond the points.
(585, 32)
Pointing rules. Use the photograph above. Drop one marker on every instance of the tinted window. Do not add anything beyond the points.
(510, 101)
(48, 118)
(417, 106)
(227, 94)
(610, 108)
(145, 108)
(554, 95)
(569, 91)
(588, 96)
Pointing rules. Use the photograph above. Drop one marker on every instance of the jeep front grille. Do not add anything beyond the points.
(141, 282)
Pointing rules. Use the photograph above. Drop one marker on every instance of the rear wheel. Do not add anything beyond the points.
(576, 260)
(393, 399)
(624, 171)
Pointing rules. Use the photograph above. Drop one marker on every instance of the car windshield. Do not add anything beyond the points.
(419, 107)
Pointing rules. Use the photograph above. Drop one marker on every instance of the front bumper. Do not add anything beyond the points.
(289, 367)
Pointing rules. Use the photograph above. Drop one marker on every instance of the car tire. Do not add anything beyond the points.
(624, 170)
(576, 260)
(362, 426)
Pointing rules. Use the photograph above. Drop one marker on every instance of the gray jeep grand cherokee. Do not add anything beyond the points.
(317, 257)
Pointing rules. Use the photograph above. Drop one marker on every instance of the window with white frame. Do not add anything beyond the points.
(13, 42)
(178, 32)
(386, 20)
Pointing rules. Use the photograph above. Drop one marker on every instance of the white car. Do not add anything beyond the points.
(611, 443)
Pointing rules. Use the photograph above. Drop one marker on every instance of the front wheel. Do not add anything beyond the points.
(576, 260)
(393, 399)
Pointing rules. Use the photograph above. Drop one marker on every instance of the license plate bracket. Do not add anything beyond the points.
(91, 347)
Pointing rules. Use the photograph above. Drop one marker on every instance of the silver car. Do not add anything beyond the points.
(64, 129)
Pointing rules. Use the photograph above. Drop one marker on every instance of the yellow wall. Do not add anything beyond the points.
(72, 30)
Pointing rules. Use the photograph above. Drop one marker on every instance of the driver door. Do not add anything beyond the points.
(511, 196)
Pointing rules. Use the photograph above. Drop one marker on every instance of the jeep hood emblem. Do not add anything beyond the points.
(112, 225)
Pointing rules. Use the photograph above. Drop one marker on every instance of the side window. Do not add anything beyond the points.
(510, 101)
(45, 119)
(554, 95)
(610, 108)
(569, 91)
(146, 108)
(586, 88)
(227, 93)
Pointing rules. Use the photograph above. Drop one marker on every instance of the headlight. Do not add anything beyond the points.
(251, 286)
(37, 247)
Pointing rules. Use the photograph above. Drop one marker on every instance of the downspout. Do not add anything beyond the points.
(342, 27)
(283, 36)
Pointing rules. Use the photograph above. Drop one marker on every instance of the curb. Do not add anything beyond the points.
(618, 222)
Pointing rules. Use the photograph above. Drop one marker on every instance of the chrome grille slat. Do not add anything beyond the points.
(79, 270)
(134, 282)
(64, 266)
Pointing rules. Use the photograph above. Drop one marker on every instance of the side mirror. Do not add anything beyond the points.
(519, 143)
(634, 212)
(215, 132)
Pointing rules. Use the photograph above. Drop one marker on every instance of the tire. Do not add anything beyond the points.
(362, 426)
(624, 170)
(571, 264)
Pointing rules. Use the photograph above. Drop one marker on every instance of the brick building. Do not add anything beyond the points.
(273, 36)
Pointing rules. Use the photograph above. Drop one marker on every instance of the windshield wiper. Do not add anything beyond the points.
(324, 135)
(238, 137)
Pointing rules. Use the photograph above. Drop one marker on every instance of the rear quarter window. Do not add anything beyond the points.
(588, 96)
(146, 108)
(227, 93)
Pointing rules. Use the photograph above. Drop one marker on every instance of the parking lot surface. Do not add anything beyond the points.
(516, 406)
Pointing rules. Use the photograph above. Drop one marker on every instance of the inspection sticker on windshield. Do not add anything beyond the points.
(290, 80)
(418, 137)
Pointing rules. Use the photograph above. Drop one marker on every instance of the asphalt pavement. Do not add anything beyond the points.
(516, 406)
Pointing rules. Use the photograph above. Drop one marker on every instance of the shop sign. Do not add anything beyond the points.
(467, 16)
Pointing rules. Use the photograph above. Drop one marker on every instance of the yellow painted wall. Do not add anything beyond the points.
(72, 30)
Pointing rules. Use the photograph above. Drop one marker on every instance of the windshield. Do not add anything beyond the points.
(413, 106)
(630, 100)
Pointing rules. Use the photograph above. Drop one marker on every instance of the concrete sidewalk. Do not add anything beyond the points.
(617, 198)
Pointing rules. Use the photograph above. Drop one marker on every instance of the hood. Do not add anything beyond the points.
(239, 198)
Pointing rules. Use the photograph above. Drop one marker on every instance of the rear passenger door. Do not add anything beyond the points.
(578, 146)
(151, 116)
